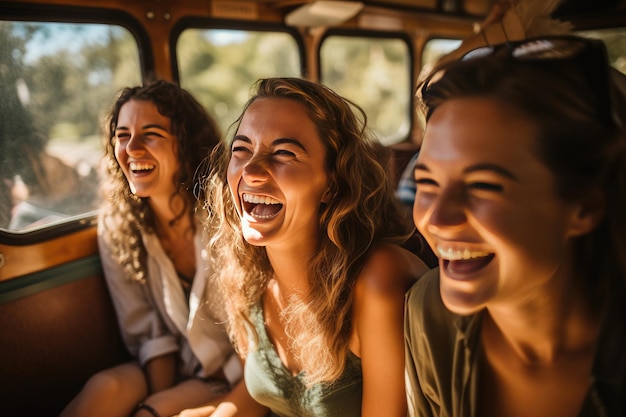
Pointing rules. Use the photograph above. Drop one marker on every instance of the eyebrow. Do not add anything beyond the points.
(497, 169)
(275, 142)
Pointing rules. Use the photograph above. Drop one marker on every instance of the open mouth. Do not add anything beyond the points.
(464, 261)
(138, 167)
(260, 206)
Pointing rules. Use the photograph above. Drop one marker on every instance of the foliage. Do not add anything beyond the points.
(219, 66)
(57, 81)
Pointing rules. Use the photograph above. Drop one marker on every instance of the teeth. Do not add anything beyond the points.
(137, 166)
(460, 254)
(259, 199)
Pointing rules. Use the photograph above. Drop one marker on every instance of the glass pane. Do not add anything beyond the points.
(219, 66)
(435, 48)
(374, 73)
(615, 41)
(57, 81)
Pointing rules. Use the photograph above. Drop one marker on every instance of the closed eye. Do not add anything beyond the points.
(426, 186)
(425, 181)
(157, 134)
(240, 150)
(486, 186)
(284, 152)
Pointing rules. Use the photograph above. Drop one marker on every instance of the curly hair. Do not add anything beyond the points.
(581, 139)
(360, 212)
(123, 214)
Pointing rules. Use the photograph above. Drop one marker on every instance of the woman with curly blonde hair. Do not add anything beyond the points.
(152, 249)
(305, 235)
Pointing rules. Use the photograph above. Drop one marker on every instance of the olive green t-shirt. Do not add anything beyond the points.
(443, 357)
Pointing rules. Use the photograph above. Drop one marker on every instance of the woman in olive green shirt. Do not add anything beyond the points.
(521, 191)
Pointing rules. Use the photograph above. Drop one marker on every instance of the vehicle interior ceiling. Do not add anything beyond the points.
(303, 12)
(309, 14)
(475, 7)
(421, 18)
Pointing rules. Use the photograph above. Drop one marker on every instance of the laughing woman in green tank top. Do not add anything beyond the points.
(306, 250)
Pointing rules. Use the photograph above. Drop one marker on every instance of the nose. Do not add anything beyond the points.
(256, 169)
(447, 211)
(135, 145)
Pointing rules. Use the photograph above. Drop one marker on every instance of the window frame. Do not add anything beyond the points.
(16, 12)
(209, 24)
(365, 33)
(200, 23)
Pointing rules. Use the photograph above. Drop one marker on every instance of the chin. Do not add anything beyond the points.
(462, 304)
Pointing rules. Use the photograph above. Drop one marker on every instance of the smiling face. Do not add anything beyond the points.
(488, 206)
(145, 149)
(277, 174)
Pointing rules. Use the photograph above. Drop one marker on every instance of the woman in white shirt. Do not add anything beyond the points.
(151, 245)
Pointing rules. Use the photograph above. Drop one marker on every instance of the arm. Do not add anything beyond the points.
(143, 331)
(378, 332)
(161, 372)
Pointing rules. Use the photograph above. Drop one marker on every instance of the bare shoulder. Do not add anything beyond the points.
(378, 303)
(390, 268)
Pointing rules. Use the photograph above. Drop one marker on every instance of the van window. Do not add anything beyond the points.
(435, 48)
(375, 73)
(57, 80)
(615, 41)
(219, 66)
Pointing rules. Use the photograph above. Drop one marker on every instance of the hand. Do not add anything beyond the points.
(205, 411)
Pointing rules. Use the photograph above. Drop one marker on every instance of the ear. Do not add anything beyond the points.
(587, 214)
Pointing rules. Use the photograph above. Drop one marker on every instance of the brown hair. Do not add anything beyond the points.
(123, 214)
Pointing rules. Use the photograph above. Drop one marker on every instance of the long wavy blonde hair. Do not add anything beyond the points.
(123, 214)
(361, 211)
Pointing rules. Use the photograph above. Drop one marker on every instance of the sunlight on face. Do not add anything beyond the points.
(277, 173)
(488, 206)
(145, 149)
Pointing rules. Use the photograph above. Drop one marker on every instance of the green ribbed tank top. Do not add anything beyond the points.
(272, 385)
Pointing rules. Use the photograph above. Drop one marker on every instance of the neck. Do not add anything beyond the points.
(291, 269)
(166, 208)
(165, 212)
(543, 332)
